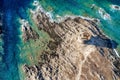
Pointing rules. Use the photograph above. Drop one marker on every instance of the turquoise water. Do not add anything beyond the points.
(11, 45)
(83, 8)
(10, 57)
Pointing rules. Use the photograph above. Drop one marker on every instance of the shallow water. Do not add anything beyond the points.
(10, 56)
(14, 53)
(110, 27)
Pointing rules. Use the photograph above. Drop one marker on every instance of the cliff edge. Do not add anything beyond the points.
(78, 50)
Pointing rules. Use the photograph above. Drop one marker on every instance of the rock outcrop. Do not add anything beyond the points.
(78, 50)
(28, 32)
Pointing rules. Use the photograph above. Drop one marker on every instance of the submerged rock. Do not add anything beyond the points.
(78, 50)
(115, 7)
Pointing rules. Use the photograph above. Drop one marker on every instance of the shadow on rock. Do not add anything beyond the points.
(101, 42)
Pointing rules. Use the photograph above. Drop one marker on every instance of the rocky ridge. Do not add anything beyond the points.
(28, 32)
(78, 50)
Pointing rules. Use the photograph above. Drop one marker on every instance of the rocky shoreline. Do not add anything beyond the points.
(78, 50)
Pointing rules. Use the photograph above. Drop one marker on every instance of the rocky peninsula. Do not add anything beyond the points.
(77, 50)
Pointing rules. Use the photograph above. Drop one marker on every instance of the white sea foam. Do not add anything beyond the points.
(93, 5)
(117, 54)
(62, 18)
(35, 3)
(101, 11)
(39, 8)
(106, 17)
(24, 24)
(50, 15)
(104, 14)
(115, 7)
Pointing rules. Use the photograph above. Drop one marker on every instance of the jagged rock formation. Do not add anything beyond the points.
(78, 50)
(28, 32)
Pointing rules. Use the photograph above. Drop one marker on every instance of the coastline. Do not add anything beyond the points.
(69, 36)
(39, 8)
(63, 18)
(56, 40)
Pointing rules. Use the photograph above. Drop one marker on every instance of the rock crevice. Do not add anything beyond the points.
(78, 50)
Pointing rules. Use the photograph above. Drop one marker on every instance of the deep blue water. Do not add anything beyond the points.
(12, 9)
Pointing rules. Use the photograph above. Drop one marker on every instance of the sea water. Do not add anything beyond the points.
(109, 18)
(14, 53)
(12, 10)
